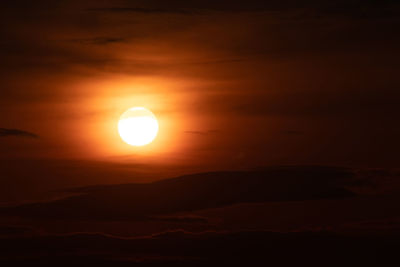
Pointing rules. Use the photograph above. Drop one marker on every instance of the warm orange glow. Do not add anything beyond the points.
(138, 126)
(102, 102)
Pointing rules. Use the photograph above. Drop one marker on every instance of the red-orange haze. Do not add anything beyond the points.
(231, 87)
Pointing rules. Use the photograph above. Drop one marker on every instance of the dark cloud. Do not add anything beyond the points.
(37, 176)
(17, 133)
(195, 192)
(377, 181)
(314, 8)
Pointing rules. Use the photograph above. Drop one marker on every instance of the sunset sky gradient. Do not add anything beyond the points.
(278, 133)
(233, 86)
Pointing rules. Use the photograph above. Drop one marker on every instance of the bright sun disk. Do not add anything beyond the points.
(138, 126)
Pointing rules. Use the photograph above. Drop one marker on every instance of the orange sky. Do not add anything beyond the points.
(230, 88)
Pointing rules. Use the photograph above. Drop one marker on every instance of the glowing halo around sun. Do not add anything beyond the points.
(138, 126)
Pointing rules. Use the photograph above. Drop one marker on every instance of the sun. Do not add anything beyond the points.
(138, 126)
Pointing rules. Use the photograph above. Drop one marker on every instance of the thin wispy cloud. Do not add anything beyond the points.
(100, 40)
(145, 10)
(201, 132)
(17, 133)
